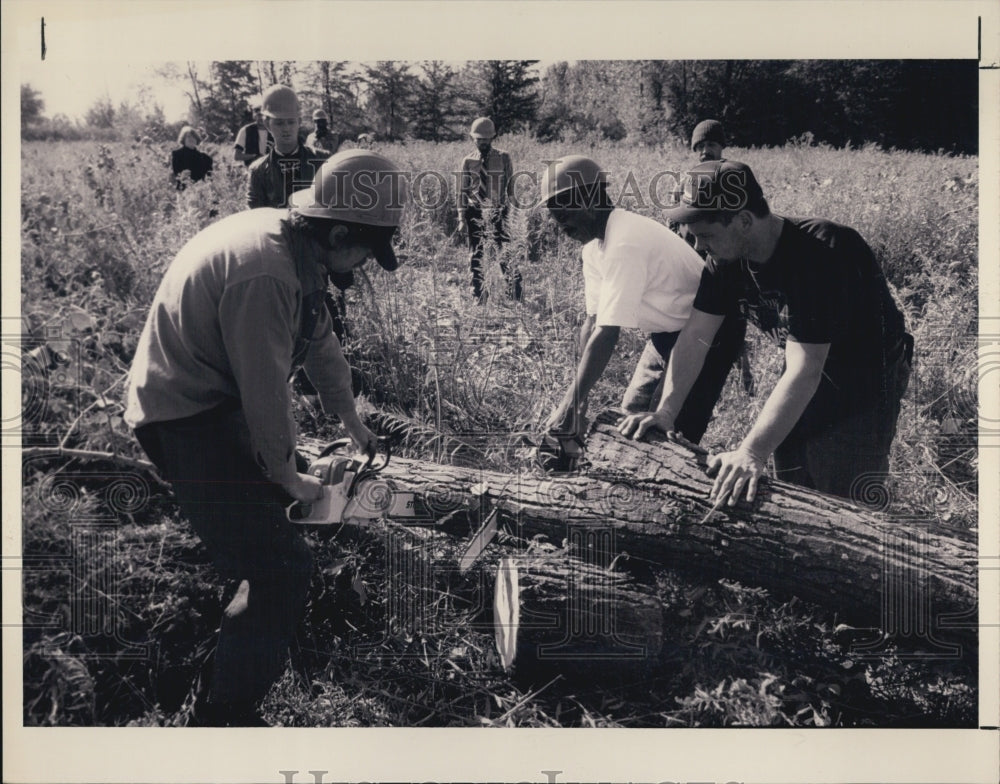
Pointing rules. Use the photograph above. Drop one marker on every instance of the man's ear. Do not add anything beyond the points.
(336, 235)
(745, 218)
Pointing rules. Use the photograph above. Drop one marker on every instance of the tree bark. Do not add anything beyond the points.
(649, 499)
(555, 608)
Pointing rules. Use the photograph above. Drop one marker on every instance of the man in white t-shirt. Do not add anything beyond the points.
(637, 274)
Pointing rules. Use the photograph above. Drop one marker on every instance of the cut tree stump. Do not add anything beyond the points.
(908, 577)
(557, 608)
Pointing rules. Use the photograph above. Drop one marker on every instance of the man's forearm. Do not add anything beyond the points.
(584, 335)
(596, 353)
(784, 407)
(683, 367)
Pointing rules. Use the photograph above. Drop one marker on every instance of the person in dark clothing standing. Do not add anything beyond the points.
(643, 393)
(817, 290)
(708, 140)
(273, 178)
(322, 139)
(187, 157)
(483, 204)
(253, 140)
(289, 165)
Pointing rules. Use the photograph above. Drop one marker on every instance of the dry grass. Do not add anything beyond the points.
(461, 380)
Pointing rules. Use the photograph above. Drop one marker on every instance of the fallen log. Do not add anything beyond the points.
(555, 608)
(907, 577)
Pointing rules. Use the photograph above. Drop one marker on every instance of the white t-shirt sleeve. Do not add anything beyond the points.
(241, 138)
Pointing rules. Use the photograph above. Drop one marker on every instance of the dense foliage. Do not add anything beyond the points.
(928, 105)
(99, 225)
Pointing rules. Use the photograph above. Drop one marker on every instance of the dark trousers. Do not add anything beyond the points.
(240, 517)
(849, 457)
(643, 393)
(481, 231)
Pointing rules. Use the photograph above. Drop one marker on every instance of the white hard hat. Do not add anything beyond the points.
(281, 103)
(357, 186)
(482, 128)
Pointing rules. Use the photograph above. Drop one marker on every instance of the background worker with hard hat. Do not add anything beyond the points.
(322, 139)
(483, 204)
(637, 274)
(286, 168)
(253, 140)
(643, 393)
(289, 165)
(238, 310)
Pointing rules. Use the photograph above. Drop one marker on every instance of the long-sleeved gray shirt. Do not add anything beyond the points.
(225, 322)
(499, 175)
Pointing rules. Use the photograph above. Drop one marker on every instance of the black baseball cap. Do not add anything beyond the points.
(713, 187)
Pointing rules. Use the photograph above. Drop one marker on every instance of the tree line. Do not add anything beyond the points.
(906, 104)
(394, 100)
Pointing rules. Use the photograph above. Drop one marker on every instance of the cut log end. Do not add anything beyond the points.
(561, 610)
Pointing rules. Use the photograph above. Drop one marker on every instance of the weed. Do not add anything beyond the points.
(455, 380)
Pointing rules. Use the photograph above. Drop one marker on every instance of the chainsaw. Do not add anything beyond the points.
(353, 493)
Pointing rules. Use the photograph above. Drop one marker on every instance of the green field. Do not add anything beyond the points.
(101, 222)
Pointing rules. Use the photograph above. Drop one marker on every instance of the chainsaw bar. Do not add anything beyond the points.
(486, 533)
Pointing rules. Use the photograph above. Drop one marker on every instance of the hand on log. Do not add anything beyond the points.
(650, 496)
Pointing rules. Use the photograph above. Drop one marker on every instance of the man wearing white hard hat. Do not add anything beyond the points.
(239, 309)
(289, 165)
(322, 139)
(483, 204)
(286, 168)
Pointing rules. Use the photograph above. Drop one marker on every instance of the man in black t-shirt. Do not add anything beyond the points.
(817, 290)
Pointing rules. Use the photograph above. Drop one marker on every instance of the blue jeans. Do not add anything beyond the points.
(644, 390)
(849, 457)
(240, 516)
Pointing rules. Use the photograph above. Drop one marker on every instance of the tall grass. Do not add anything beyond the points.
(101, 222)
(918, 212)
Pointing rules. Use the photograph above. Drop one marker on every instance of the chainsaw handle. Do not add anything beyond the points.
(334, 446)
(344, 443)
(380, 441)
(302, 511)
